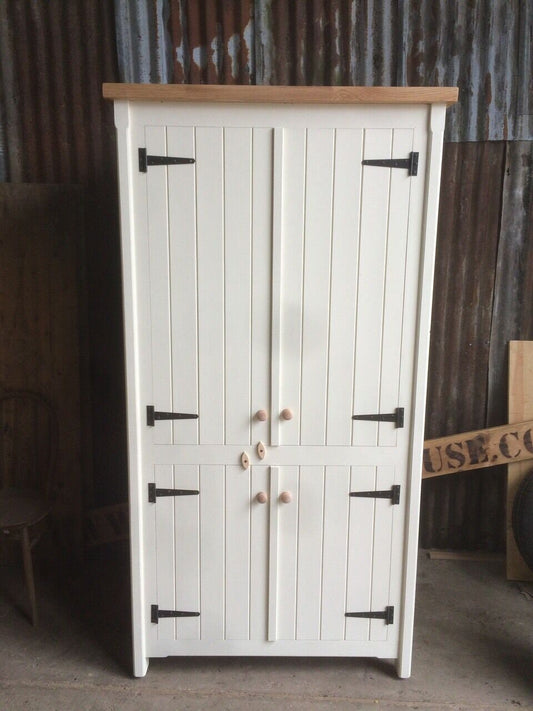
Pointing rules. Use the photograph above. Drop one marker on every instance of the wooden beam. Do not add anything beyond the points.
(520, 407)
(482, 448)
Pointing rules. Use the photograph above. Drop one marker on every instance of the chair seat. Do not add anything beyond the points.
(19, 508)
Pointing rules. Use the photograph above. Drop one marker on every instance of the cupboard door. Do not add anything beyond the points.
(209, 228)
(333, 554)
(211, 553)
(343, 257)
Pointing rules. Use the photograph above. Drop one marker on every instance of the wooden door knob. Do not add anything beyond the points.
(261, 415)
(245, 460)
(286, 414)
(285, 497)
(261, 497)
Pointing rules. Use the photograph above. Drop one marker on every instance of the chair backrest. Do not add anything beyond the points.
(28, 441)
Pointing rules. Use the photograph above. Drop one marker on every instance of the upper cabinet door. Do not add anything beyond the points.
(209, 228)
(343, 259)
(277, 267)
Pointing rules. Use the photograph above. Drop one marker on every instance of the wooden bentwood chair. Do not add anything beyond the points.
(28, 447)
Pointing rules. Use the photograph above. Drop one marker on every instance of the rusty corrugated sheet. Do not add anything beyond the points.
(484, 48)
(144, 48)
(512, 316)
(213, 41)
(464, 510)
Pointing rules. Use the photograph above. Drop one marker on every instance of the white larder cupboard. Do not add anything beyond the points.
(278, 248)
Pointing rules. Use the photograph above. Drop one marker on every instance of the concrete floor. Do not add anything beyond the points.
(473, 650)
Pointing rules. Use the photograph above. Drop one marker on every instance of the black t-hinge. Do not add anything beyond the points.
(153, 492)
(387, 615)
(411, 163)
(397, 417)
(146, 160)
(393, 494)
(157, 614)
(152, 415)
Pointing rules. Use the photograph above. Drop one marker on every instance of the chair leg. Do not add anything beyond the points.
(28, 571)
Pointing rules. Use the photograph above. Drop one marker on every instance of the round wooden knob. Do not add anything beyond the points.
(261, 415)
(286, 414)
(261, 497)
(285, 497)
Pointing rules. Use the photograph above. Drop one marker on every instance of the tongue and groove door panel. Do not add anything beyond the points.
(339, 263)
(272, 571)
(209, 231)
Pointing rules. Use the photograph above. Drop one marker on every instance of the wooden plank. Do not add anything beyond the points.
(294, 144)
(237, 566)
(520, 407)
(282, 94)
(164, 552)
(212, 545)
(158, 240)
(187, 551)
(360, 552)
(261, 277)
(316, 288)
(370, 291)
(344, 262)
(336, 510)
(288, 555)
(237, 282)
(277, 241)
(475, 450)
(273, 533)
(310, 538)
(210, 226)
(182, 228)
(259, 518)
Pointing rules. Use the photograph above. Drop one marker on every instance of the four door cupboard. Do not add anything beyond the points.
(278, 247)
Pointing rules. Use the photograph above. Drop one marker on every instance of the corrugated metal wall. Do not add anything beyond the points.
(55, 55)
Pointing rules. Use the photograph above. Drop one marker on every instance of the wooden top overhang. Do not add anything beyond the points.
(281, 94)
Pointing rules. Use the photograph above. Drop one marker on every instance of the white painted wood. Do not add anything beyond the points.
(398, 209)
(212, 552)
(310, 540)
(259, 556)
(183, 294)
(334, 553)
(210, 226)
(428, 229)
(360, 553)
(133, 318)
(316, 287)
(374, 220)
(381, 562)
(237, 282)
(187, 551)
(273, 539)
(276, 421)
(262, 176)
(345, 253)
(158, 239)
(276, 272)
(294, 162)
(237, 568)
(288, 556)
(165, 553)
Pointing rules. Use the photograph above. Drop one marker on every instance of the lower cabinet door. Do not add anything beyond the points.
(270, 554)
